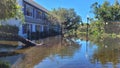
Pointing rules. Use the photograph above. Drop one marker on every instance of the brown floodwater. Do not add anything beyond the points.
(63, 53)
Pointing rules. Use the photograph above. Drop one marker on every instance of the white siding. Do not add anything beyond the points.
(12, 21)
(33, 29)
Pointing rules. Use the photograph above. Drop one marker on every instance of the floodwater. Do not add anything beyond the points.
(64, 53)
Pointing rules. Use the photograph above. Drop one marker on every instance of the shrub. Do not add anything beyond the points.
(113, 35)
(4, 64)
(9, 29)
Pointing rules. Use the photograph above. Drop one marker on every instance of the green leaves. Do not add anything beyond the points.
(106, 11)
(96, 28)
(68, 18)
(4, 64)
(10, 9)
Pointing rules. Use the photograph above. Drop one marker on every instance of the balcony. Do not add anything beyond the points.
(34, 20)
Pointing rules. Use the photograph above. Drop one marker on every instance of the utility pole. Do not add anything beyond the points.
(87, 28)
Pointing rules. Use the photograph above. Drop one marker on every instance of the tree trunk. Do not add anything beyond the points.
(26, 41)
(10, 36)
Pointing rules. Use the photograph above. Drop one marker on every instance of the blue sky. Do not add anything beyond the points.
(82, 7)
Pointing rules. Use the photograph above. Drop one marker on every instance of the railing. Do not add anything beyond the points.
(33, 20)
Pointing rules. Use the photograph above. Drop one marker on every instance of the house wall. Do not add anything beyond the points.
(12, 21)
(35, 15)
(36, 19)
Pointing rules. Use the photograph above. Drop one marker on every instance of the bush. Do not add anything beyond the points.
(8, 36)
(4, 64)
(113, 35)
(9, 29)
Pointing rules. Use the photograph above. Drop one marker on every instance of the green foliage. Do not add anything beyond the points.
(67, 17)
(82, 27)
(113, 35)
(96, 28)
(52, 18)
(10, 9)
(4, 64)
(106, 11)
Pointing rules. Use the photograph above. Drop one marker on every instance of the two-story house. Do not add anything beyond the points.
(35, 18)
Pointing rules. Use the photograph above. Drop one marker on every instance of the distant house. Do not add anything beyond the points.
(35, 18)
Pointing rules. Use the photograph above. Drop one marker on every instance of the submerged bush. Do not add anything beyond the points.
(4, 64)
(9, 29)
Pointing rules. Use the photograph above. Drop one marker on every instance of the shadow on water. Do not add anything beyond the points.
(6, 54)
(8, 58)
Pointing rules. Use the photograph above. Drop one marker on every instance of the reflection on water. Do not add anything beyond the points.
(76, 59)
(8, 46)
(54, 47)
(67, 53)
(8, 56)
(108, 53)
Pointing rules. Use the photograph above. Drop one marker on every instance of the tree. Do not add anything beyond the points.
(106, 12)
(67, 18)
(10, 9)
(96, 28)
(101, 11)
(115, 11)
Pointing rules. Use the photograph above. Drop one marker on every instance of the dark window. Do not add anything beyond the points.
(37, 27)
(45, 16)
(31, 27)
(38, 14)
(29, 11)
(24, 28)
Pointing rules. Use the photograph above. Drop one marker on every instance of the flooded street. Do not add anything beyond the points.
(59, 34)
(64, 53)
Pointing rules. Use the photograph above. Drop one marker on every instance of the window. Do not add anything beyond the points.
(45, 16)
(30, 27)
(29, 11)
(38, 14)
(37, 28)
(24, 28)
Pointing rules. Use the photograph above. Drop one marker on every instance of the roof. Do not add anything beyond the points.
(36, 5)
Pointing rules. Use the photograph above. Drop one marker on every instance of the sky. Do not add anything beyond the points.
(81, 7)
